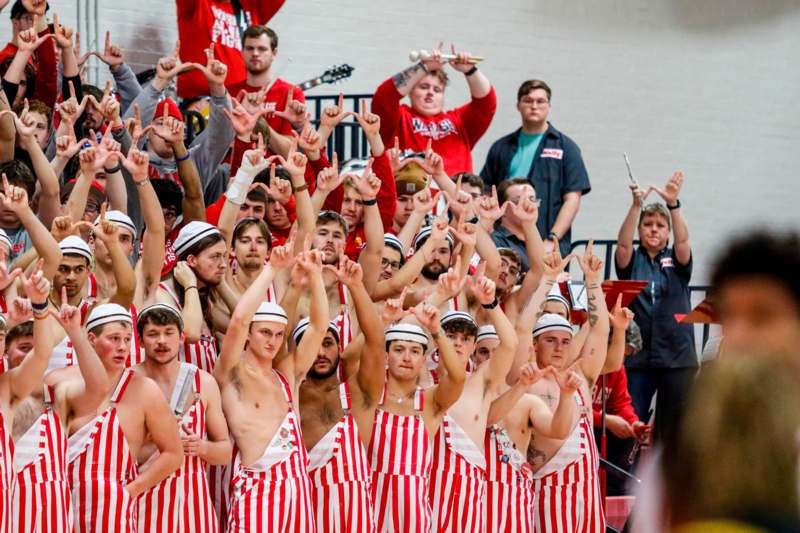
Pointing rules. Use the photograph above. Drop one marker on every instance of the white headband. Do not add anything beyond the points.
(120, 219)
(424, 233)
(486, 332)
(271, 312)
(76, 246)
(105, 313)
(302, 326)
(457, 315)
(406, 332)
(5, 240)
(192, 233)
(552, 322)
(162, 307)
(393, 242)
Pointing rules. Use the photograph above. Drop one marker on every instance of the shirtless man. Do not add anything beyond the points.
(337, 404)
(459, 464)
(402, 461)
(195, 401)
(133, 413)
(270, 488)
(42, 493)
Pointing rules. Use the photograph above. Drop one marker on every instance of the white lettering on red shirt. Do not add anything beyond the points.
(225, 30)
(434, 130)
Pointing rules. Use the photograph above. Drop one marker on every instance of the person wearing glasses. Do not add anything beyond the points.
(547, 158)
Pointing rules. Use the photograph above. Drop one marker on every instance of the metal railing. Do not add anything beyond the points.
(696, 292)
(347, 138)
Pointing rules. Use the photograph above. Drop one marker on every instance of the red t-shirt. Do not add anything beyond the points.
(618, 400)
(277, 94)
(454, 132)
(201, 22)
(44, 62)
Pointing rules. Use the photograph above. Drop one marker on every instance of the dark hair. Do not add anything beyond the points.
(257, 195)
(257, 30)
(202, 244)
(326, 217)
(20, 175)
(169, 193)
(37, 106)
(502, 189)
(531, 85)
(473, 180)
(441, 75)
(91, 90)
(246, 223)
(158, 317)
(761, 254)
(280, 172)
(30, 75)
(510, 253)
(78, 256)
(460, 325)
(24, 329)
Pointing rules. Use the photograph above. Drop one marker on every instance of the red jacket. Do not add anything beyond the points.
(454, 132)
(618, 400)
(201, 22)
(44, 61)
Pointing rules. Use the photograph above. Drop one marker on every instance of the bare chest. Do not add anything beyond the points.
(320, 410)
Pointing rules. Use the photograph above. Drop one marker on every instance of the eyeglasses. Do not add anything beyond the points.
(535, 101)
(512, 269)
(394, 264)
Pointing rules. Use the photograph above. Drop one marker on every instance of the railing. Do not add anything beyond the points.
(696, 292)
(347, 138)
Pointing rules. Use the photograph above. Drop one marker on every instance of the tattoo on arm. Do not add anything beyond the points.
(401, 78)
(541, 310)
(535, 456)
(593, 310)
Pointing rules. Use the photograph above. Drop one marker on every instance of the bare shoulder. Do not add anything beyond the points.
(207, 382)
(62, 375)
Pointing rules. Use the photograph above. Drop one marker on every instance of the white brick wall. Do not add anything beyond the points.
(708, 87)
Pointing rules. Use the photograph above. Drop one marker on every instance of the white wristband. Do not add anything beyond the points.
(239, 186)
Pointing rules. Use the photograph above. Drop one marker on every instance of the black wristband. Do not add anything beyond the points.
(491, 305)
(368, 202)
(113, 170)
(552, 236)
(474, 220)
(471, 71)
(676, 206)
(184, 157)
(39, 307)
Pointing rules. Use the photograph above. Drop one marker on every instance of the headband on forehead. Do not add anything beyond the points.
(271, 312)
(406, 332)
(392, 241)
(425, 232)
(5, 240)
(106, 313)
(74, 245)
(120, 219)
(192, 233)
(552, 322)
(457, 315)
(302, 326)
(486, 333)
(159, 307)
(555, 296)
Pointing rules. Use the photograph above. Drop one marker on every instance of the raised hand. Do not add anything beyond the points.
(310, 261)
(526, 210)
(13, 198)
(295, 162)
(435, 61)
(112, 54)
(244, 121)
(433, 163)
(253, 102)
(184, 275)
(67, 146)
(170, 66)
(7, 278)
(393, 309)
(461, 203)
(36, 286)
(69, 316)
(136, 163)
(61, 34)
(368, 184)
(439, 230)
(170, 129)
(427, 315)
(64, 226)
(553, 265)
(20, 310)
(591, 265)
(70, 109)
(294, 111)
(282, 257)
(369, 122)
(214, 70)
(483, 289)
(105, 230)
(347, 271)
(423, 201)
(489, 209)
(465, 232)
(80, 58)
(672, 189)
(28, 40)
(451, 283)
(530, 373)
(568, 379)
(279, 189)
(461, 62)
(393, 154)
(24, 123)
(328, 178)
(332, 115)
(309, 140)
(620, 317)
(639, 194)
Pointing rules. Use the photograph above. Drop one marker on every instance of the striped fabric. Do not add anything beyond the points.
(509, 493)
(203, 353)
(6, 467)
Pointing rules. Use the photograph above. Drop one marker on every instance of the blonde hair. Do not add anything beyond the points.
(737, 452)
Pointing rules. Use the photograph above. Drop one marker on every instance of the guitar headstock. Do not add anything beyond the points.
(337, 73)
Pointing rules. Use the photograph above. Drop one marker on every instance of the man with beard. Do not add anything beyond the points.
(259, 49)
(338, 400)
(204, 432)
(270, 490)
(202, 261)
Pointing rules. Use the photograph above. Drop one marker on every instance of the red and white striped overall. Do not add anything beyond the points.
(509, 485)
(6, 466)
(219, 486)
(401, 459)
(273, 495)
(181, 502)
(100, 465)
(41, 496)
(343, 320)
(459, 480)
(340, 476)
(203, 353)
(566, 491)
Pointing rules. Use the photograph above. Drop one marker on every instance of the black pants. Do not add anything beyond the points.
(673, 386)
(618, 451)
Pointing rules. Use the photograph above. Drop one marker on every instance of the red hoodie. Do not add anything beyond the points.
(618, 400)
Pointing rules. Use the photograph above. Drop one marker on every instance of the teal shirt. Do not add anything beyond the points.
(523, 159)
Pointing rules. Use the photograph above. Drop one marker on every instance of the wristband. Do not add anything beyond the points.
(303, 187)
(183, 157)
(240, 184)
(471, 71)
(39, 306)
(118, 128)
(142, 183)
(368, 202)
(552, 236)
(113, 170)
(491, 305)
(190, 287)
(40, 316)
(593, 286)
(474, 220)
(676, 206)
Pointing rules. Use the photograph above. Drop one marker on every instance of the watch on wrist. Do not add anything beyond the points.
(676, 206)
(471, 71)
(491, 305)
(552, 236)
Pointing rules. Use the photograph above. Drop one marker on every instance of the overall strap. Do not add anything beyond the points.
(287, 390)
(345, 328)
(124, 380)
(344, 395)
(47, 392)
(174, 296)
(184, 374)
(419, 399)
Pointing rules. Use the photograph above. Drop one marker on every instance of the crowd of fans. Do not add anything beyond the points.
(240, 334)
